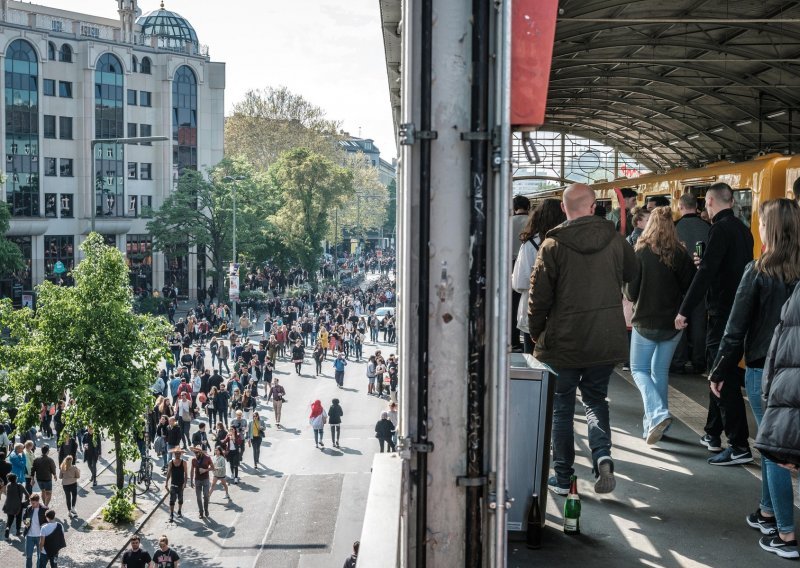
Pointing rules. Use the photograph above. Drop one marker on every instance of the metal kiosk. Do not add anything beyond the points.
(530, 417)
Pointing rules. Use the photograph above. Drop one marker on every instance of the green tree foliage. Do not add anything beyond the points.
(390, 226)
(200, 213)
(312, 187)
(11, 260)
(269, 122)
(86, 340)
(365, 209)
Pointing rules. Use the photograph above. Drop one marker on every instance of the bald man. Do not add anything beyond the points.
(576, 321)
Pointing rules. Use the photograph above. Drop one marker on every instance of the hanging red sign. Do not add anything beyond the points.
(533, 30)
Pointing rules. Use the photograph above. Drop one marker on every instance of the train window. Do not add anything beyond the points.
(743, 205)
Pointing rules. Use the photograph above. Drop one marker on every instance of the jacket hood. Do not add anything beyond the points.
(586, 235)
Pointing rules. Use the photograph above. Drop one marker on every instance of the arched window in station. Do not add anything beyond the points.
(65, 54)
(108, 118)
(51, 51)
(22, 129)
(146, 66)
(134, 64)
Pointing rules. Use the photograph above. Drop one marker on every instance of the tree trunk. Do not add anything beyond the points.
(120, 461)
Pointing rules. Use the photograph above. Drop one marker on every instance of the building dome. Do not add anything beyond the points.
(172, 28)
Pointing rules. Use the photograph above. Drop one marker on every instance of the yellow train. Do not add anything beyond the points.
(753, 182)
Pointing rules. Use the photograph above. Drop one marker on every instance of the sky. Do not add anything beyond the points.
(328, 51)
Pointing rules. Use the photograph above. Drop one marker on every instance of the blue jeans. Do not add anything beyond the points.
(777, 496)
(593, 382)
(31, 545)
(650, 362)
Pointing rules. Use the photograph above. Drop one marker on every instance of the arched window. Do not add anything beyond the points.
(134, 64)
(65, 54)
(184, 120)
(51, 51)
(108, 119)
(22, 129)
(145, 66)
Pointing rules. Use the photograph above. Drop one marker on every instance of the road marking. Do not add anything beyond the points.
(272, 519)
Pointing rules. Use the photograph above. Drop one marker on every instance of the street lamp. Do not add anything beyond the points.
(232, 180)
(96, 141)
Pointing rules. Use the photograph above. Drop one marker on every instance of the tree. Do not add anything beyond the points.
(200, 213)
(269, 122)
(312, 187)
(390, 226)
(11, 260)
(86, 340)
(365, 210)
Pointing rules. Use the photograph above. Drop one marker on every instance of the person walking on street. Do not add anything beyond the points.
(220, 468)
(765, 287)
(222, 356)
(177, 476)
(335, 414)
(51, 541)
(232, 444)
(728, 251)
(384, 430)
(136, 556)
(319, 355)
(69, 480)
(92, 449)
(34, 519)
(278, 395)
(590, 336)
(298, 353)
(665, 273)
(317, 419)
(338, 365)
(165, 557)
(351, 560)
(44, 471)
(255, 435)
(201, 472)
(15, 503)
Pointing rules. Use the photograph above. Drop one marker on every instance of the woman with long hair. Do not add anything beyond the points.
(547, 215)
(656, 292)
(765, 286)
(69, 479)
(317, 419)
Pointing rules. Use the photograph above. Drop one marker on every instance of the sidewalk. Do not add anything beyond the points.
(670, 508)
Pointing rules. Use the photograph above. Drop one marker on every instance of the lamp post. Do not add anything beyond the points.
(123, 141)
(232, 180)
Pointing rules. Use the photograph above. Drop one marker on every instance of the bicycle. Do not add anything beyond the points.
(144, 476)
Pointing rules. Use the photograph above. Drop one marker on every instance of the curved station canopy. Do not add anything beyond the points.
(678, 83)
(674, 83)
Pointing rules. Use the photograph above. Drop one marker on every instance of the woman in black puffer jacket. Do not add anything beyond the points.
(778, 436)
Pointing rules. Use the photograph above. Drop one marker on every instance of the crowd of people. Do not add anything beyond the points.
(209, 404)
(693, 299)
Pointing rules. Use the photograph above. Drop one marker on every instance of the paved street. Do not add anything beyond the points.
(303, 509)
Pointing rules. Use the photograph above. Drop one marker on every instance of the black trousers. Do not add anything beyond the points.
(515, 299)
(726, 413)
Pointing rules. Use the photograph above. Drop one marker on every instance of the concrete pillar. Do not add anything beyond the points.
(447, 294)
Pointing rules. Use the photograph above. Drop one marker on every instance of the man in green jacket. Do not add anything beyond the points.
(576, 321)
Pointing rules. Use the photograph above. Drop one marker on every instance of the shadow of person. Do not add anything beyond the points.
(351, 451)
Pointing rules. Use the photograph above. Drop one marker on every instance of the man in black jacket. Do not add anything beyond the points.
(729, 249)
(692, 346)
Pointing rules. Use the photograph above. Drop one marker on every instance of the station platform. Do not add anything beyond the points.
(670, 508)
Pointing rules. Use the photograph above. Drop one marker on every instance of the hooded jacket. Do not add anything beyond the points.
(778, 435)
(575, 304)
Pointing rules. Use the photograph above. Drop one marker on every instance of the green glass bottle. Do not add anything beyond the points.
(572, 508)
